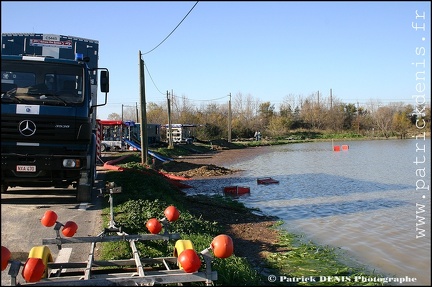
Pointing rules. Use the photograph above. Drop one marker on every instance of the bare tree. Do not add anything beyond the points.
(312, 112)
(130, 113)
(157, 113)
(383, 120)
(245, 115)
(114, 117)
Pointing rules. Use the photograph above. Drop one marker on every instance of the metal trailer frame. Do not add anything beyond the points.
(137, 271)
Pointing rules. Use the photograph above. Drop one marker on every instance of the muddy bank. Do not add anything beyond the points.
(224, 158)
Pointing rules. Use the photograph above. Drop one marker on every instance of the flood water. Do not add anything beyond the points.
(371, 201)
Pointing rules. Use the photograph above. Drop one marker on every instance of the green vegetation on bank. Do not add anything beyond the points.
(146, 194)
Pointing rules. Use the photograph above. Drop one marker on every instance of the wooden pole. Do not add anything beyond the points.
(229, 119)
(170, 138)
(143, 127)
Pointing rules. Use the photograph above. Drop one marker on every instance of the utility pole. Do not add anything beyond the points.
(331, 100)
(358, 119)
(170, 139)
(143, 127)
(229, 119)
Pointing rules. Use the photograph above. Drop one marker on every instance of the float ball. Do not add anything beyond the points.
(69, 229)
(49, 218)
(154, 226)
(222, 246)
(5, 256)
(171, 213)
(33, 269)
(189, 260)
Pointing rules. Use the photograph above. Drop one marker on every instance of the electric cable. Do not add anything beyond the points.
(173, 30)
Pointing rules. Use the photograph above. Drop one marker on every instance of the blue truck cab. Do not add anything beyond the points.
(48, 115)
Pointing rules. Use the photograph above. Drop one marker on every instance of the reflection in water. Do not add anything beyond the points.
(362, 200)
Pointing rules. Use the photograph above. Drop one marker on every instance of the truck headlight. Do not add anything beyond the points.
(71, 163)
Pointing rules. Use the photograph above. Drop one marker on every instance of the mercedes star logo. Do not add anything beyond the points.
(27, 128)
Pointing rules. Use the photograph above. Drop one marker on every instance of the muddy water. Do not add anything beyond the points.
(371, 201)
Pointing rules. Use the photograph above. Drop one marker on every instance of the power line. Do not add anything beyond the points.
(202, 100)
(173, 30)
(145, 65)
(154, 84)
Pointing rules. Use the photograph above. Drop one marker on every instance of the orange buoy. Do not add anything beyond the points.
(222, 246)
(171, 213)
(49, 218)
(189, 260)
(345, 147)
(336, 148)
(5, 256)
(44, 253)
(69, 229)
(154, 226)
(33, 269)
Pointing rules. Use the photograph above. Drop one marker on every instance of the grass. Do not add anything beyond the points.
(304, 259)
(146, 194)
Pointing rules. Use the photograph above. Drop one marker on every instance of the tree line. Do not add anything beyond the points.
(296, 113)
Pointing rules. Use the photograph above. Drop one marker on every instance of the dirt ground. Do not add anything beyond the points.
(252, 234)
(210, 164)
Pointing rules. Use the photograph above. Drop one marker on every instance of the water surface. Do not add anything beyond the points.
(372, 201)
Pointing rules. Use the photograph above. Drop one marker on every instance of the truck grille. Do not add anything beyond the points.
(48, 129)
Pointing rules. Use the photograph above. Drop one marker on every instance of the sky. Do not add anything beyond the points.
(204, 51)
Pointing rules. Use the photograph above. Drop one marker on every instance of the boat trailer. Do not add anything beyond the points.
(184, 266)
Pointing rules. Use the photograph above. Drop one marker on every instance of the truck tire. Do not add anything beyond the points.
(84, 190)
(84, 193)
(4, 188)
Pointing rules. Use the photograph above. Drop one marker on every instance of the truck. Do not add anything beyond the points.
(112, 135)
(49, 100)
(116, 133)
(133, 133)
(181, 133)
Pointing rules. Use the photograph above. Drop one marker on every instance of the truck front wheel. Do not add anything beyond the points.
(84, 193)
(88, 176)
(85, 185)
(4, 188)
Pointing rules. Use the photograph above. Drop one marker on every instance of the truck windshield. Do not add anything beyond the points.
(41, 83)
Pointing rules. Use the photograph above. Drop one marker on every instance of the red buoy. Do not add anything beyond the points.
(33, 270)
(5, 256)
(49, 218)
(222, 246)
(171, 213)
(336, 148)
(189, 260)
(154, 226)
(69, 229)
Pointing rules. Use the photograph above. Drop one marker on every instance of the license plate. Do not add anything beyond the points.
(26, 168)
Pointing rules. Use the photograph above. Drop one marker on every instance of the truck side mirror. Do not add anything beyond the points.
(104, 81)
